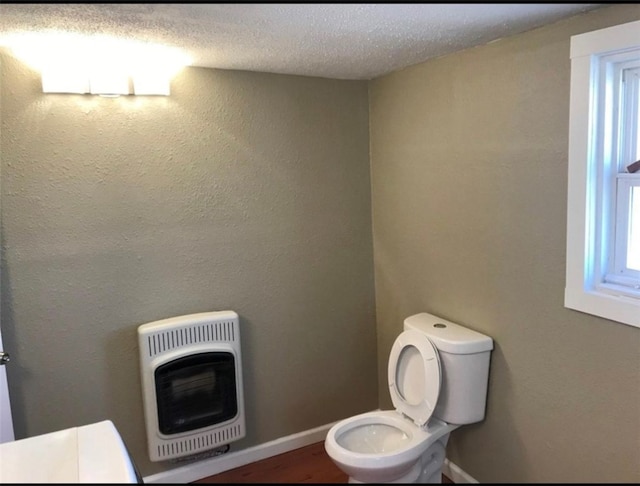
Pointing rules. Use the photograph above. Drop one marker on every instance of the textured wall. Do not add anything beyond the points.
(469, 176)
(240, 191)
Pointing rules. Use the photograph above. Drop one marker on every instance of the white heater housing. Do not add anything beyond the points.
(191, 373)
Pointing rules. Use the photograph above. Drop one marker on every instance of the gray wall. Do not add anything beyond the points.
(240, 191)
(469, 177)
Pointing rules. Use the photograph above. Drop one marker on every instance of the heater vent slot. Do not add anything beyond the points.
(212, 332)
(193, 445)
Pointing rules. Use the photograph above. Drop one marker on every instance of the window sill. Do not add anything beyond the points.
(619, 308)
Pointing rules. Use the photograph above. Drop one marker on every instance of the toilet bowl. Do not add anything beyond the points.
(383, 446)
(438, 374)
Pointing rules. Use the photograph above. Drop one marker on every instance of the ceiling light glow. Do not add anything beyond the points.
(73, 63)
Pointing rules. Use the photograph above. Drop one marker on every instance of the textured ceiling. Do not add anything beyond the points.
(345, 41)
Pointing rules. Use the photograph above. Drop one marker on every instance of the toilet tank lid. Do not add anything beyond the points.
(448, 336)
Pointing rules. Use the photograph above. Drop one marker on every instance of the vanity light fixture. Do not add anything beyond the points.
(102, 65)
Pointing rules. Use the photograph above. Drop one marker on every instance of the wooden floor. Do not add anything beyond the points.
(309, 464)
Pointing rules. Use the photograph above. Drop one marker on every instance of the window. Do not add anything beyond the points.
(603, 207)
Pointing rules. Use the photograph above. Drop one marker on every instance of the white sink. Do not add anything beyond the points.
(88, 454)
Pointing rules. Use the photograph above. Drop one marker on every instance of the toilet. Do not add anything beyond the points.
(438, 375)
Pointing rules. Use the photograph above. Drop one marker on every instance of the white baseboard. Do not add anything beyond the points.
(216, 465)
(202, 469)
(457, 475)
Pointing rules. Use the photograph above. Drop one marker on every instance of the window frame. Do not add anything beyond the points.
(621, 273)
(591, 190)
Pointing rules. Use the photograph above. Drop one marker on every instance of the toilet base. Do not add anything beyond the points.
(427, 470)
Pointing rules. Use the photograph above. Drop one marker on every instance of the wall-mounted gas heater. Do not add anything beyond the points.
(191, 383)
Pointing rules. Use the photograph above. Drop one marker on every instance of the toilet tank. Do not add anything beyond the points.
(464, 359)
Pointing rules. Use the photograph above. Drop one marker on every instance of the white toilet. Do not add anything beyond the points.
(438, 376)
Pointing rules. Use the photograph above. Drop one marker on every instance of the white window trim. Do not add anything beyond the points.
(581, 293)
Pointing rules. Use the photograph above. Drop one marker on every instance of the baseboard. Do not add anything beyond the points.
(216, 465)
(202, 469)
(456, 474)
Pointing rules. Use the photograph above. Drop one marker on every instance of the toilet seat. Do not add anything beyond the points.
(414, 376)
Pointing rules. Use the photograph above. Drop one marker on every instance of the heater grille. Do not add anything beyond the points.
(192, 383)
(208, 332)
(203, 442)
